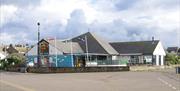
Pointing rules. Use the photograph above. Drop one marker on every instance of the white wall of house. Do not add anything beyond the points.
(2, 56)
(159, 52)
(141, 59)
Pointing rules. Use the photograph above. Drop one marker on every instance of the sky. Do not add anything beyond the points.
(113, 20)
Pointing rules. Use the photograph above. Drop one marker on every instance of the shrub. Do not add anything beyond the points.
(172, 59)
(13, 60)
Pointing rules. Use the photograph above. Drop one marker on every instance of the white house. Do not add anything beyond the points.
(2, 55)
(140, 52)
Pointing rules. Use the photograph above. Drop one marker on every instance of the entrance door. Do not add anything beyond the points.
(80, 61)
(45, 61)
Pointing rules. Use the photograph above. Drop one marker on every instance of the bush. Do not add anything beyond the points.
(13, 60)
(172, 59)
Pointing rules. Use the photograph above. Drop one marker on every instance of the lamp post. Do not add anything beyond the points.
(86, 44)
(86, 48)
(38, 48)
(5, 50)
(26, 64)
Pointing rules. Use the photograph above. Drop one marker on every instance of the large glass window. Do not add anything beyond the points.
(148, 59)
(134, 59)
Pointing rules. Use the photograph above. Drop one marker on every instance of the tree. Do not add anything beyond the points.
(13, 60)
(172, 59)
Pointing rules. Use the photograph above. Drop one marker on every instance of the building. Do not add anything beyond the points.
(173, 50)
(11, 49)
(81, 51)
(90, 50)
(141, 52)
(2, 53)
(21, 48)
(6, 50)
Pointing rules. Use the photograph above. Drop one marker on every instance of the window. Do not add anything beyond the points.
(148, 59)
(134, 59)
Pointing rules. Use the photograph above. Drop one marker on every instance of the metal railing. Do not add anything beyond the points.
(106, 62)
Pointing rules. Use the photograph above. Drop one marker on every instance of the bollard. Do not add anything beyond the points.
(177, 70)
(22, 69)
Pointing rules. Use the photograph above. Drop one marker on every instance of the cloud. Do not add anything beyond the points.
(124, 4)
(77, 23)
(20, 3)
(115, 20)
(7, 14)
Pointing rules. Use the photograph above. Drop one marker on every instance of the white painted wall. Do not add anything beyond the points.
(157, 60)
(162, 60)
(141, 60)
(2, 56)
(159, 50)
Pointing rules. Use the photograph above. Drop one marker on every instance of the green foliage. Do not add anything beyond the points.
(13, 60)
(172, 59)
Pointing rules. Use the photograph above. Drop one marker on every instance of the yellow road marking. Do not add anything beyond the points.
(16, 86)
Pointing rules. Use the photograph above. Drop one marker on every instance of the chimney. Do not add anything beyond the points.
(152, 39)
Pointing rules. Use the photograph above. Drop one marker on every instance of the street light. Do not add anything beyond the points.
(86, 44)
(86, 48)
(38, 57)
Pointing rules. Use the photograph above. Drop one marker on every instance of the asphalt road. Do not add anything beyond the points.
(103, 81)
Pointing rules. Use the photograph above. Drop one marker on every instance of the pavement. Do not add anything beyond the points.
(100, 81)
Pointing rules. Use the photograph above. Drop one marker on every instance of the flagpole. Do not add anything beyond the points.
(86, 48)
(5, 53)
(72, 63)
(38, 48)
(56, 52)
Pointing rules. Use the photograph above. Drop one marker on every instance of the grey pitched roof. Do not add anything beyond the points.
(175, 49)
(144, 47)
(66, 46)
(11, 49)
(95, 44)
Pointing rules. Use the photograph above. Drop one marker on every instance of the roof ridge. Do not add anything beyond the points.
(134, 41)
(110, 49)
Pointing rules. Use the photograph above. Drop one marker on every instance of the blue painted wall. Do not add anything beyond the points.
(62, 60)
